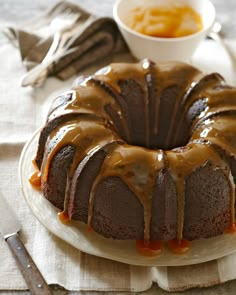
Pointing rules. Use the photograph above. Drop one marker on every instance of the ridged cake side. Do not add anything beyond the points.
(143, 151)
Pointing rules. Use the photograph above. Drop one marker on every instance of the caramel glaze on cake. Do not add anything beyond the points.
(144, 152)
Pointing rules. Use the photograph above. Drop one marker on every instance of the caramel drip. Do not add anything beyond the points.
(93, 99)
(85, 136)
(179, 246)
(200, 89)
(68, 184)
(185, 80)
(183, 111)
(232, 228)
(146, 70)
(63, 217)
(35, 179)
(151, 248)
(218, 101)
(222, 98)
(88, 98)
(119, 101)
(182, 162)
(60, 109)
(232, 197)
(156, 113)
(164, 76)
(116, 73)
(221, 132)
(121, 71)
(162, 81)
(138, 168)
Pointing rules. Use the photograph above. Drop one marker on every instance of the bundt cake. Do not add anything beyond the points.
(143, 152)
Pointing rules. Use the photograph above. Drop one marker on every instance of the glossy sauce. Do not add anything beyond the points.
(150, 248)
(63, 217)
(138, 167)
(179, 246)
(35, 179)
(182, 163)
(165, 22)
(232, 228)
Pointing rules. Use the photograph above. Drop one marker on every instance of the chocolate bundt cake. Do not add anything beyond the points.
(144, 152)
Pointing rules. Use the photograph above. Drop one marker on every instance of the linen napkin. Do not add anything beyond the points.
(22, 112)
(95, 38)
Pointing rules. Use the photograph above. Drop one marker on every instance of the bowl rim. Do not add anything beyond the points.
(161, 39)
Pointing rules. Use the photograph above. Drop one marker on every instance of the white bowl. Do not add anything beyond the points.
(163, 49)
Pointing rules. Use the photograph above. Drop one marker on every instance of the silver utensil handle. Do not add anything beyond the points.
(34, 279)
(31, 77)
(41, 69)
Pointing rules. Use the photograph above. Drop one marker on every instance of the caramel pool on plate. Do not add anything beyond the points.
(165, 22)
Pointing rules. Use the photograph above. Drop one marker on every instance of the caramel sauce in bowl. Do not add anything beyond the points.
(164, 30)
(165, 22)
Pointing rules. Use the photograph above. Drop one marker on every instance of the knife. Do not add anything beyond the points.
(9, 228)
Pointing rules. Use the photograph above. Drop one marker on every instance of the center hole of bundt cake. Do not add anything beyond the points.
(164, 134)
(160, 143)
(153, 121)
(166, 127)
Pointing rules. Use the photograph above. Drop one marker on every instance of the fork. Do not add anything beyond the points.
(61, 24)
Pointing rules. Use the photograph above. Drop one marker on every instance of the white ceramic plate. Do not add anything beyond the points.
(92, 243)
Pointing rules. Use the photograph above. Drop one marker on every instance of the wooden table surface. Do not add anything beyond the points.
(16, 11)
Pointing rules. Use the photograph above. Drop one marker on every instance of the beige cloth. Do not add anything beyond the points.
(93, 41)
(22, 111)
